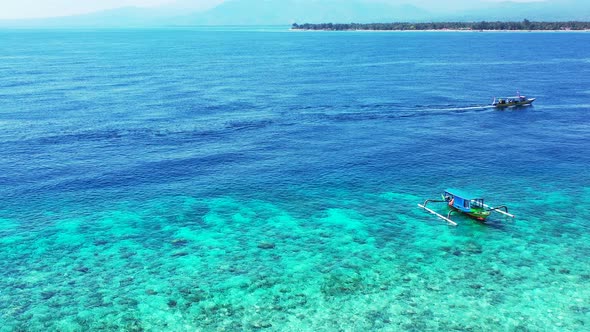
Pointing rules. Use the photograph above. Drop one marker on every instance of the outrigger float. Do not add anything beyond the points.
(463, 203)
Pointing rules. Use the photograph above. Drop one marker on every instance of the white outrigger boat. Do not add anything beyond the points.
(518, 100)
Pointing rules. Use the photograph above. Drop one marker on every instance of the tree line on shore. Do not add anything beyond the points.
(483, 25)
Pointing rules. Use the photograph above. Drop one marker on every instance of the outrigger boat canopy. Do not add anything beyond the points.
(459, 201)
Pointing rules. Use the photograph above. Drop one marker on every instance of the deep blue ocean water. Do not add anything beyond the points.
(262, 179)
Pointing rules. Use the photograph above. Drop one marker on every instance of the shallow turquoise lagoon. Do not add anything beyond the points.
(240, 180)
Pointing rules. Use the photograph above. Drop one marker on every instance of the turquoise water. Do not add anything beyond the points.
(260, 179)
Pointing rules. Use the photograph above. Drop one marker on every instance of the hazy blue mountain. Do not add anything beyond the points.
(246, 12)
(556, 10)
(285, 12)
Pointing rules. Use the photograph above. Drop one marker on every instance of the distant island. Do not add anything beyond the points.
(525, 25)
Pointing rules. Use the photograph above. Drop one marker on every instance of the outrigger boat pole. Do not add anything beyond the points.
(435, 213)
(498, 209)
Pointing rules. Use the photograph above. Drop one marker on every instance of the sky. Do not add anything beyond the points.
(21, 9)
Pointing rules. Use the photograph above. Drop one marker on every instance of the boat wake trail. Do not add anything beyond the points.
(390, 111)
(470, 108)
